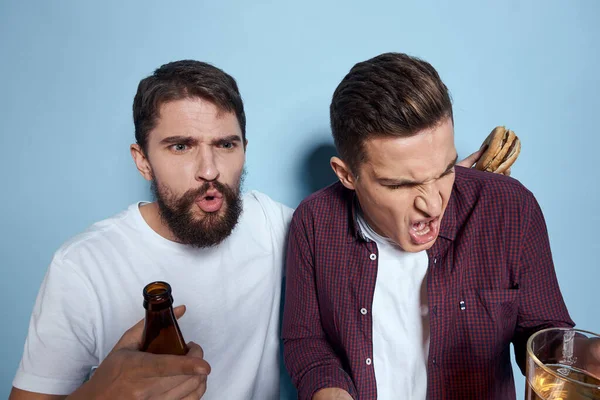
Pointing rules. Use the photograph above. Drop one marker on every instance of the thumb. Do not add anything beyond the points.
(472, 158)
(132, 338)
(179, 311)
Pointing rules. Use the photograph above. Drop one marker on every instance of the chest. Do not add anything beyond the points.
(225, 293)
(470, 292)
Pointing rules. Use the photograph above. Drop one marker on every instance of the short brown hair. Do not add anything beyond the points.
(180, 80)
(392, 94)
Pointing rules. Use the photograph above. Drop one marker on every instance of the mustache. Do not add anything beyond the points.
(207, 230)
(191, 195)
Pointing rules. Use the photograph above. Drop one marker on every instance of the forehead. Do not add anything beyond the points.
(194, 117)
(417, 157)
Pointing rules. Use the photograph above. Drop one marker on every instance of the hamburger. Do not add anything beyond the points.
(503, 148)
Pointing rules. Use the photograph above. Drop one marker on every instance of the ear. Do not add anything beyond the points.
(245, 144)
(141, 162)
(343, 172)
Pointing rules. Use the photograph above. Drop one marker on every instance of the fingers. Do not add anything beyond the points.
(168, 365)
(471, 159)
(593, 358)
(179, 311)
(595, 348)
(189, 388)
(332, 393)
(132, 338)
(594, 353)
(195, 350)
(198, 393)
(164, 387)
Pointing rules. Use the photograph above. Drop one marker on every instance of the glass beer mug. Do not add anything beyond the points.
(563, 364)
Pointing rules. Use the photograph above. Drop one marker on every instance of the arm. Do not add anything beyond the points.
(332, 394)
(541, 304)
(131, 374)
(59, 352)
(18, 394)
(308, 356)
(61, 333)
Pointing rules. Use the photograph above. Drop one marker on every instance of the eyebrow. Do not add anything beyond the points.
(190, 141)
(408, 182)
(227, 139)
(179, 140)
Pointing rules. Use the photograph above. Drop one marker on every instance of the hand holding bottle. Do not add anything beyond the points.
(130, 373)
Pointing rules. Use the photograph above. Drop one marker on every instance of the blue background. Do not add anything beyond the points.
(69, 71)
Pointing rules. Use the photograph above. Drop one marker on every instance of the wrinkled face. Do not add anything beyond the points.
(195, 157)
(405, 183)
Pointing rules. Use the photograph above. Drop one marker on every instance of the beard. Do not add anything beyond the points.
(201, 232)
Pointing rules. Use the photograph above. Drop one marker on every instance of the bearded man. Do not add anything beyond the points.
(221, 251)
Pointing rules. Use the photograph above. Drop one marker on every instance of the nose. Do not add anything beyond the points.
(429, 201)
(207, 169)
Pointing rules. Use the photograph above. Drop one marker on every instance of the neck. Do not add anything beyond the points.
(151, 215)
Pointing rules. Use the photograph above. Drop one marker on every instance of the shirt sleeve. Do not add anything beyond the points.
(60, 346)
(308, 356)
(279, 217)
(541, 304)
(282, 217)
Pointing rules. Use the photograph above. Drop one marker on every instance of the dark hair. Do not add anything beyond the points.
(180, 80)
(392, 94)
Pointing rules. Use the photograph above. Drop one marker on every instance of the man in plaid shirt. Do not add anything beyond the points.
(410, 277)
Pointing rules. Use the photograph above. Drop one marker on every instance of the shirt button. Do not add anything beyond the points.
(368, 361)
(434, 310)
(434, 361)
(373, 256)
(363, 311)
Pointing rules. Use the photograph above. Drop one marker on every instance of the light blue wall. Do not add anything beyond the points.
(69, 70)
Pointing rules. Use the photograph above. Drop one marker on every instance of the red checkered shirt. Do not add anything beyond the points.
(490, 282)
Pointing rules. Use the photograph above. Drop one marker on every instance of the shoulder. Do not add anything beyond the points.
(98, 239)
(329, 202)
(484, 188)
(261, 210)
(257, 204)
(255, 199)
(492, 202)
(325, 215)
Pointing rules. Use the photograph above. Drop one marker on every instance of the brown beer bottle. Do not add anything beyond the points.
(161, 331)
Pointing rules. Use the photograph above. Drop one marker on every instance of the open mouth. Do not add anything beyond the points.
(211, 202)
(424, 231)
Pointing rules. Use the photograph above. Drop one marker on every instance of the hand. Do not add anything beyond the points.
(584, 351)
(332, 394)
(129, 373)
(472, 159)
(592, 358)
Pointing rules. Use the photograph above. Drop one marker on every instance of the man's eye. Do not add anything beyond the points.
(179, 147)
(227, 145)
(395, 187)
(447, 173)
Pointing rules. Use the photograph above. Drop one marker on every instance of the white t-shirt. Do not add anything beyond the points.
(400, 320)
(92, 294)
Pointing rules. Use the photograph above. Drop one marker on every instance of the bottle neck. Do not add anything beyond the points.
(158, 306)
(157, 296)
